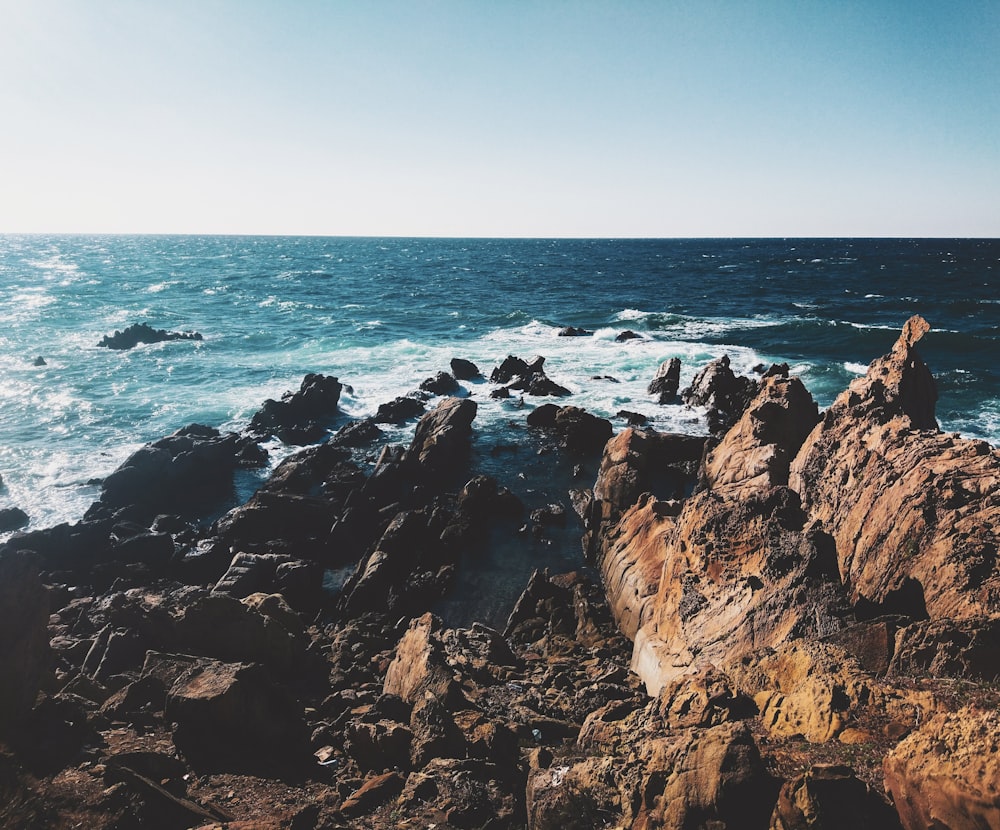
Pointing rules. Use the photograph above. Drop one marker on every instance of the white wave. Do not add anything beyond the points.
(633, 314)
(855, 368)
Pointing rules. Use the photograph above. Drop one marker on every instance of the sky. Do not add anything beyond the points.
(501, 118)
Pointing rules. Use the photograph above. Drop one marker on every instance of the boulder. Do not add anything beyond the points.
(221, 626)
(947, 773)
(187, 473)
(24, 637)
(573, 331)
(420, 665)
(399, 410)
(737, 575)
(300, 417)
(232, 716)
(666, 381)
(143, 333)
(442, 436)
(441, 384)
(527, 377)
(803, 689)
(464, 369)
(968, 649)
(913, 511)
(626, 335)
(12, 518)
(828, 795)
(375, 791)
(720, 390)
(579, 431)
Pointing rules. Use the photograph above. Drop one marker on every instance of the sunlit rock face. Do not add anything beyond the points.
(914, 512)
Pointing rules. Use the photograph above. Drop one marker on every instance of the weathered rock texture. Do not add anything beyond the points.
(915, 513)
(947, 774)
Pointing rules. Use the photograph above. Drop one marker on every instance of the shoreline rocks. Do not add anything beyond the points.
(764, 648)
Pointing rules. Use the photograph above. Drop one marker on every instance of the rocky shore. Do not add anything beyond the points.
(792, 623)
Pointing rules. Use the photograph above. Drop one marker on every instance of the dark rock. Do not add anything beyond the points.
(573, 331)
(664, 384)
(441, 384)
(300, 417)
(233, 717)
(635, 419)
(399, 411)
(443, 434)
(143, 333)
(39, 361)
(511, 367)
(24, 637)
(12, 518)
(831, 796)
(500, 393)
(967, 649)
(579, 431)
(357, 433)
(718, 388)
(187, 473)
(628, 334)
(464, 369)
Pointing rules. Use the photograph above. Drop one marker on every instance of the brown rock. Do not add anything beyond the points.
(737, 575)
(829, 796)
(913, 511)
(969, 649)
(373, 793)
(756, 453)
(420, 664)
(574, 797)
(706, 698)
(947, 773)
(804, 689)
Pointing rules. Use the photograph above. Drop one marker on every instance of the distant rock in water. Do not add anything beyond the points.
(39, 361)
(143, 333)
(628, 334)
(574, 331)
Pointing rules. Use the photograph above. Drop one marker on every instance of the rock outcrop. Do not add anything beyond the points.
(24, 640)
(300, 417)
(142, 333)
(947, 773)
(914, 512)
(667, 380)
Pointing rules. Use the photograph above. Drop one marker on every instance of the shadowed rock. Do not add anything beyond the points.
(143, 333)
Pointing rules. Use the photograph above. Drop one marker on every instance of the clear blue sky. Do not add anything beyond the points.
(501, 118)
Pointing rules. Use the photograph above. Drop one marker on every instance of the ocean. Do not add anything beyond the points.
(383, 314)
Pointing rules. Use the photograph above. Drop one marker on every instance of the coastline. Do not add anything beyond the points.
(770, 590)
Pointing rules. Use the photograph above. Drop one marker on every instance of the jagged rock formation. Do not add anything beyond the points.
(142, 333)
(797, 662)
(914, 512)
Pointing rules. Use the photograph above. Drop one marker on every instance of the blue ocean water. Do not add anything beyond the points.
(383, 314)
